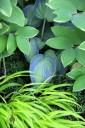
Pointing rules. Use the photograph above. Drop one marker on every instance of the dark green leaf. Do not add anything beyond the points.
(78, 20)
(11, 43)
(14, 2)
(63, 31)
(75, 73)
(42, 11)
(3, 42)
(80, 55)
(27, 31)
(63, 9)
(5, 7)
(22, 44)
(79, 84)
(32, 20)
(4, 29)
(68, 56)
(82, 46)
(4, 54)
(59, 43)
(17, 17)
(79, 4)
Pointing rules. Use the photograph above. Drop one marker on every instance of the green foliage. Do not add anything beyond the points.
(65, 11)
(6, 7)
(40, 106)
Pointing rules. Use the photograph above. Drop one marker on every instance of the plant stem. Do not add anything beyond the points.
(4, 66)
(43, 28)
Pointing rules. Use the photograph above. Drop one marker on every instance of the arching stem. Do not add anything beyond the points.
(43, 29)
(4, 66)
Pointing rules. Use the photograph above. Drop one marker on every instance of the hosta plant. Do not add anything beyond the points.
(43, 106)
(71, 41)
(43, 67)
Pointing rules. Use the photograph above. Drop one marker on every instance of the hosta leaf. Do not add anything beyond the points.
(1, 26)
(63, 9)
(68, 56)
(14, 2)
(80, 33)
(11, 43)
(42, 11)
(3, 42)
(63, 31)
(5, 54)
(43, 67)
(80, 54)
(82, 46)
(4, 29)
(6, 7)
(79, 84)
(75, 73)
(27, 31)
(32, 20)
(59, 43)
(78, 20)
(33, 49)
(17, 17)
(79, 4)
(22, 44)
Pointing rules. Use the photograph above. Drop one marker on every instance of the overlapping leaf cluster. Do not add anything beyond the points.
(70, 40)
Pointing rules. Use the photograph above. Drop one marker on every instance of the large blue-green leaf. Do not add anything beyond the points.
(33, 49)
(17, 16)
(43, 67)
(42, 11)
(64, 10)
(32, 20)
(6, 7)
